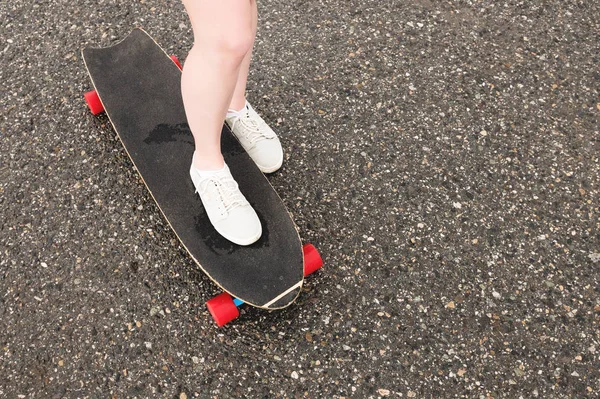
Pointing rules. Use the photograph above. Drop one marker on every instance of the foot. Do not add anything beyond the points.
(227, 208)
(257, 138)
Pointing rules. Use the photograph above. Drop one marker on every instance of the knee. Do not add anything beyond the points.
(237, 45)
(230, 47)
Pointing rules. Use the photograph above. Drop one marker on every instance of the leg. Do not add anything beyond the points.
(239, 94)
(223, 36)
(259, 140)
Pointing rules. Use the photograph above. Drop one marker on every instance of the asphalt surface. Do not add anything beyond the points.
(443, 156)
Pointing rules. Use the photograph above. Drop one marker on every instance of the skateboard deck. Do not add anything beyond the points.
(139, 87)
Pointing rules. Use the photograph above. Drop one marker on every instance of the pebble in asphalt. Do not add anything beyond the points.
(442, 155)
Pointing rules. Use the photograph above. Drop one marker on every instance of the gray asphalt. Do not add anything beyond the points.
(443, 156)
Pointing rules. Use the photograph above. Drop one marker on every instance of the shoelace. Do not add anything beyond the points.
(228, 191)
(252, 127)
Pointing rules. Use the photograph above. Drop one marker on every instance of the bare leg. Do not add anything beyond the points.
(255, 135)
(223, 37)
(239, 94)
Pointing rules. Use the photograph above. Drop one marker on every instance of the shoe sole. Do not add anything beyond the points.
(271, 169)
(244, 243)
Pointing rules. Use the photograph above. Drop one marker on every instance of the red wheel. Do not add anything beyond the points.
(223, 309)
(312, 259)
(93, 102)
(176, 61)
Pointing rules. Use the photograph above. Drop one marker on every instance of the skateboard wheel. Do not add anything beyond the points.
(312, 259)
(93, 102)
(223, 309)
(176, 61)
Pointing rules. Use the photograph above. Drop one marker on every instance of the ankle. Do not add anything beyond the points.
(207, 162)
(237, 105)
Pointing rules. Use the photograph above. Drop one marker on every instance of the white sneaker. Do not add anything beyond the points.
(257, 138)
(227, 208)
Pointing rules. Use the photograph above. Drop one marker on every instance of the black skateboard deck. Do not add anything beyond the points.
(139, 87)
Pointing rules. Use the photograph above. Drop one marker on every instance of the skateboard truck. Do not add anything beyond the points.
(224, 308)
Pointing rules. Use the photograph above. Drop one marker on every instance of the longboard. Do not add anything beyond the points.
(138, 85)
